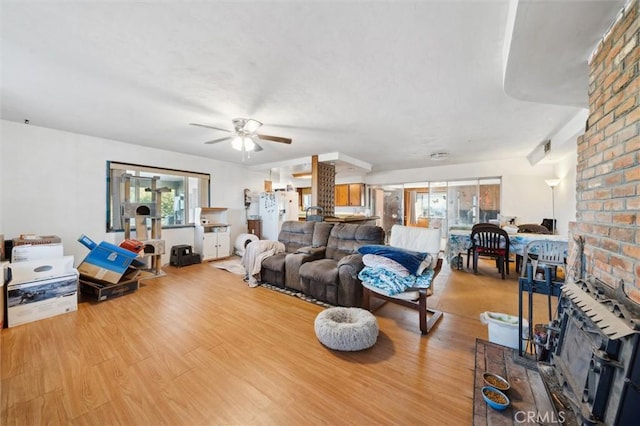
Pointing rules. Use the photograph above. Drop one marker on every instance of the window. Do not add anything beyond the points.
(178, 192)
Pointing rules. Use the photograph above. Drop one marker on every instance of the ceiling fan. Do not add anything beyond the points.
(244, 137)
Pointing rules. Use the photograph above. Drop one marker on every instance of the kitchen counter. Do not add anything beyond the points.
(363, 220)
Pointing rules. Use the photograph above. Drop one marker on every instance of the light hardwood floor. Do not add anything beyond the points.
(199, 347)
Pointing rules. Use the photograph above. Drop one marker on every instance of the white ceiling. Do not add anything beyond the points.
(385, 83)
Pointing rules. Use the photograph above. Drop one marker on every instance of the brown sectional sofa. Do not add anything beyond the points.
(321, 260)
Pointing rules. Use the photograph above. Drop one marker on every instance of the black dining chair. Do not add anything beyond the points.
(491, 241)
(550, 224)
(532, 228)
(477, 225)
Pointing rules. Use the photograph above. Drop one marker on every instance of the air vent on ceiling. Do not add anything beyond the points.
(439, 156)
(539, 152)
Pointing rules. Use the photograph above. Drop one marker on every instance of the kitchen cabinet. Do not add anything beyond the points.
(212, 237)
(213, 242)
(350, 194)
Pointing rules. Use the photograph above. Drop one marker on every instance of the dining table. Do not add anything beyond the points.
(459, 241)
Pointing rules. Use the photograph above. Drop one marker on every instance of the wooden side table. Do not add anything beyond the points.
(254, 226)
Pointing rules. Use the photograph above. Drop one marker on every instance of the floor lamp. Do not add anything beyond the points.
(552, 184)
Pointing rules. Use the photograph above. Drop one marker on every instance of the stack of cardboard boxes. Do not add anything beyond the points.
(40, 281)
(107, 271)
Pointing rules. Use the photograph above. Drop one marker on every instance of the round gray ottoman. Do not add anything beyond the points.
(346, 329)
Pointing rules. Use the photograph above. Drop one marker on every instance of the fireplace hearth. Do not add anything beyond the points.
(595, 356)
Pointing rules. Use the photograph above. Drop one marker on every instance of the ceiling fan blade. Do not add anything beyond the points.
(209, 127)
(274, 139)
(218, 140)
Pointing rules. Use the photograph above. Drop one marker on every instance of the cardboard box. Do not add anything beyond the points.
(106, 262)
(132, 245)
(25, 253)
(36, 239)
(87, 242)
(3, 266)
(40, 289)
(99, 291)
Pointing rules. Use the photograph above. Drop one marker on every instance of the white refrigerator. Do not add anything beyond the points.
(275, 208)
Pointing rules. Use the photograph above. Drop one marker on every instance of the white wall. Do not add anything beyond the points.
(2, 179)
(565, 192)
(54, 182)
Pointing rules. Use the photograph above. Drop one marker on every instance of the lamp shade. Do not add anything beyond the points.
(552, 182)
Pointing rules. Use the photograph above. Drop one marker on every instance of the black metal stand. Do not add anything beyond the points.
(530, 285)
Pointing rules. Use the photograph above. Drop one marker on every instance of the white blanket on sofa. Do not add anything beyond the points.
(254, 253)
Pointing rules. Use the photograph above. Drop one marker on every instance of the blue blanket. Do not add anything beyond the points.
(390, 283)
(407, 258)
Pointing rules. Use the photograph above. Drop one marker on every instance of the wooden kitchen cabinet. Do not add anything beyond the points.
(349, 194)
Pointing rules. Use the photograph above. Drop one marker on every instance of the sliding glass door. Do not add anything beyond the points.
(446, 205)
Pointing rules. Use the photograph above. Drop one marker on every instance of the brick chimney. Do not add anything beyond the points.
(608, 163)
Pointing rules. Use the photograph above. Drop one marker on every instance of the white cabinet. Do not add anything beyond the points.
(212, 242)
(212, 234)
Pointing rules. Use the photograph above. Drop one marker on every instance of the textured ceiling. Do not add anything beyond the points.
(386, 83)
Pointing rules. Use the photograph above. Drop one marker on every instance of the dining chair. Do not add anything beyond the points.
(550, 224)
(543, 253)
(477, 225)
(491, 241)
(529, 228)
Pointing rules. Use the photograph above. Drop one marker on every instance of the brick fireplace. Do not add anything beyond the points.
(596, 358)
(608, 170)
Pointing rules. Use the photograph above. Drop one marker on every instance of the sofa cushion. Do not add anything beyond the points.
(323, 271)
(275, 262)
(295, 235)
(321, 233)
(346, 238)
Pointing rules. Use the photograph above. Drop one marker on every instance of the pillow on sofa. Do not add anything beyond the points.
(381, 262)
(414, 261)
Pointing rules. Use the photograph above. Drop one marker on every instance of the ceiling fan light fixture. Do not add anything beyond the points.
(249, 144)
(439, 156)
(241, 143)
